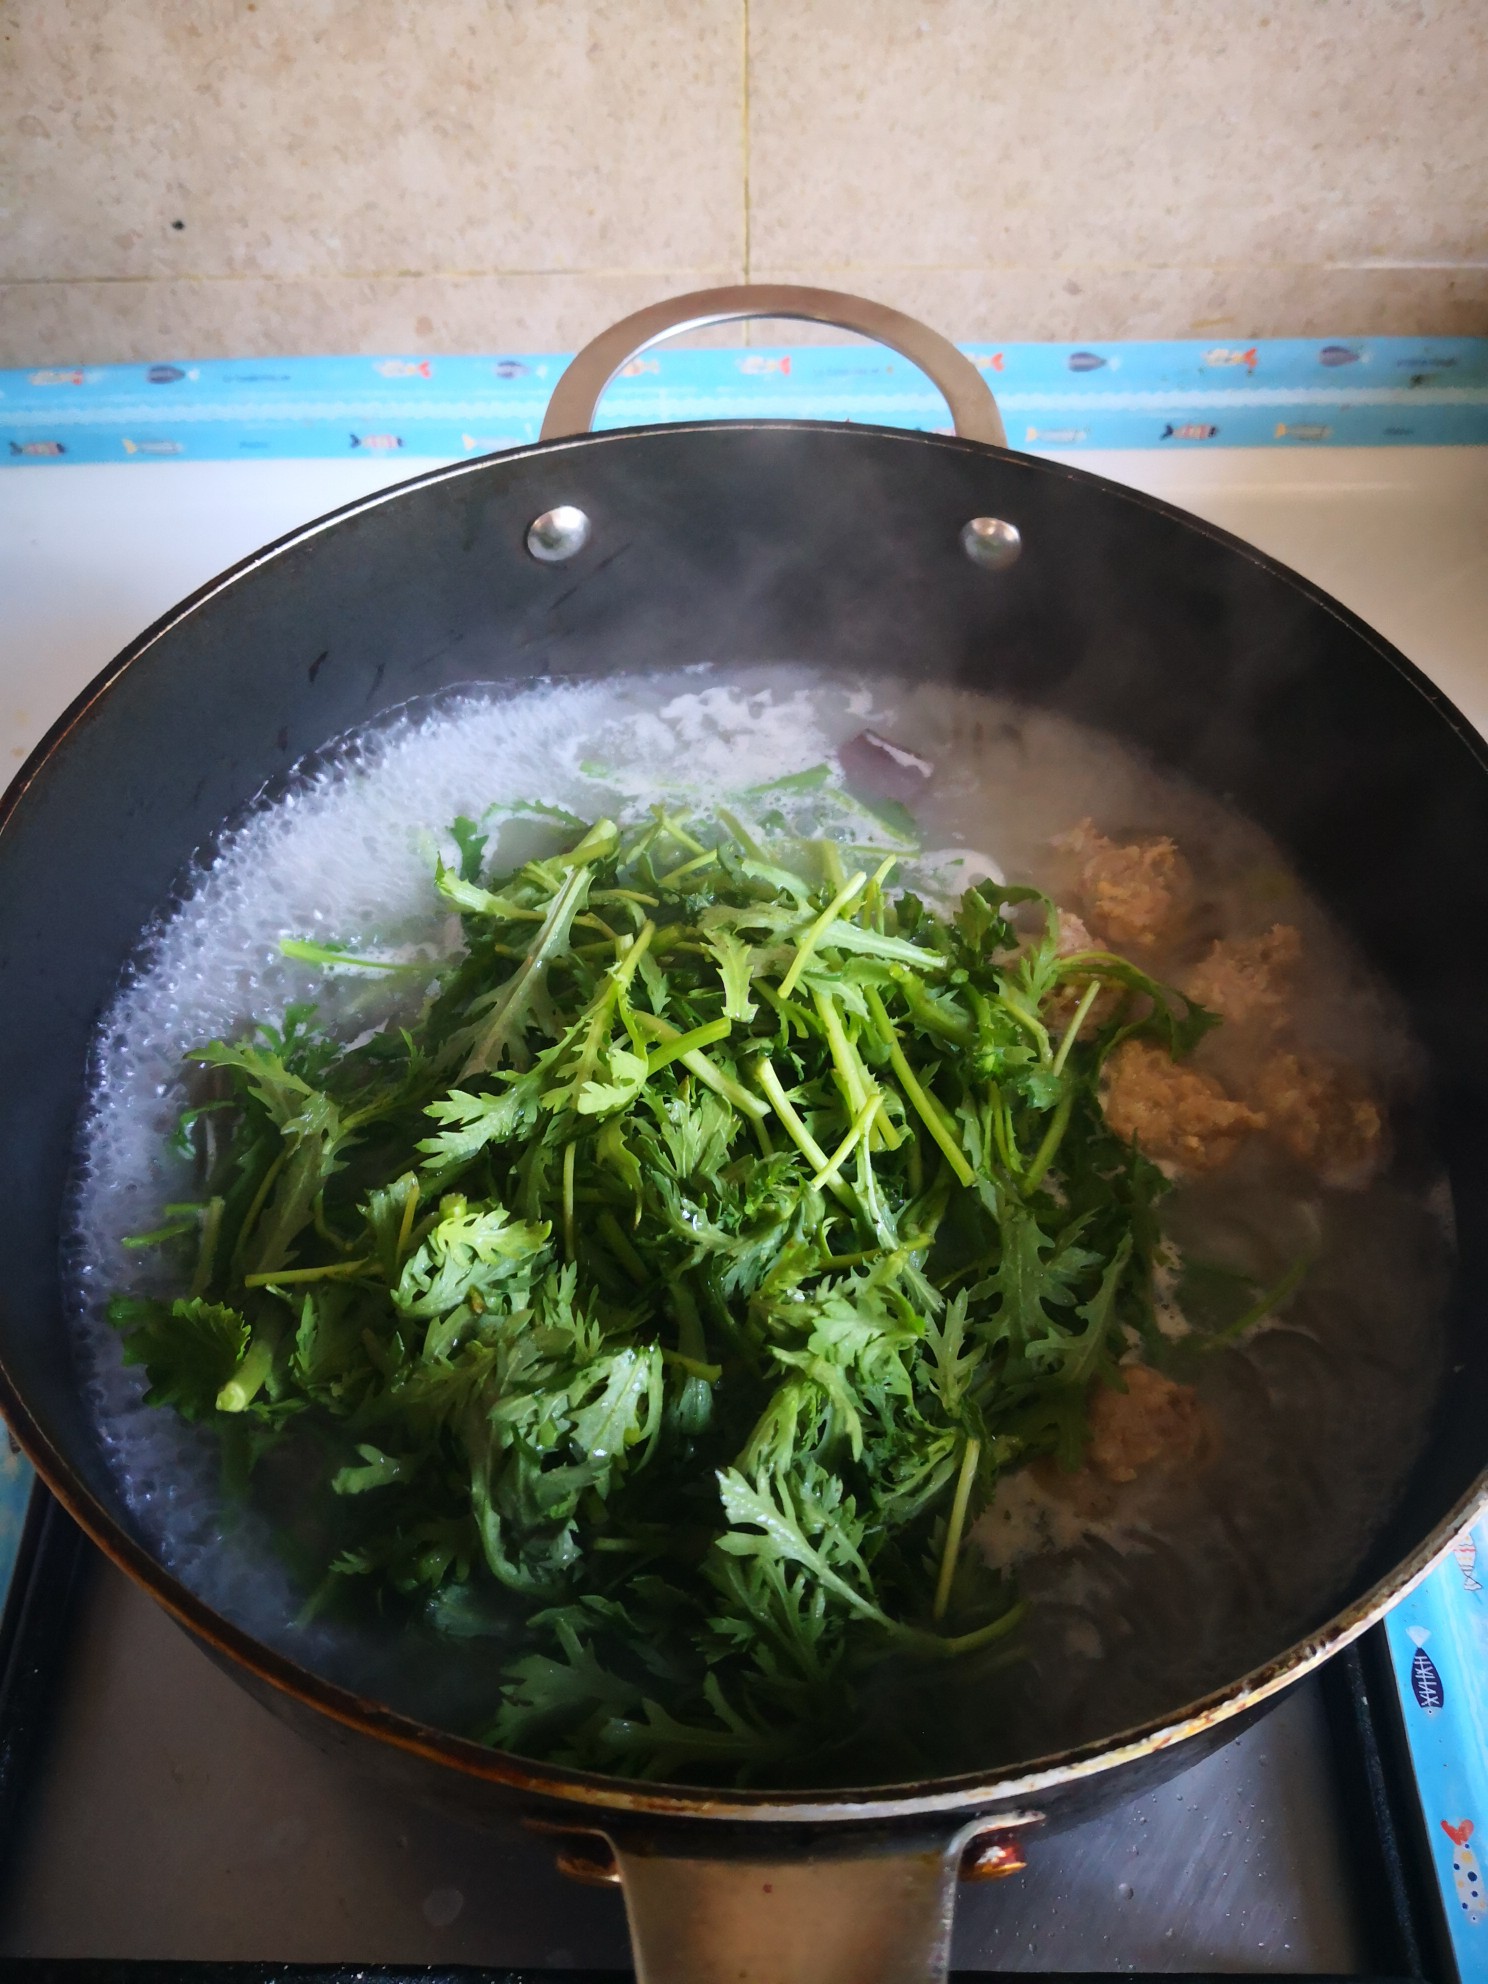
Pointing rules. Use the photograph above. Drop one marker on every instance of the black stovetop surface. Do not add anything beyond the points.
(154, 1815)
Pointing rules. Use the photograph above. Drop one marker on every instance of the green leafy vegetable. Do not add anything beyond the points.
(664, 1302)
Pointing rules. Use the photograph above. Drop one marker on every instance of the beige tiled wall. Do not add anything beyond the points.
(202, 177)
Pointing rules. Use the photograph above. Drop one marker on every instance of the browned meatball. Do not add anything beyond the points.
(1134, 896)
(1177, 1114)
(1064, 1000)
(1072, 936)
(1246, 979)
(1153, 1420)
(1154, 1427)
(1321, 1114)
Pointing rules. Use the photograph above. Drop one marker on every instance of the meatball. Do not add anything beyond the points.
(1321, 1114)
(1246, 980)
(1063, 1002)
(1133, 896)
(1177, 1114)
(1151, 1429)
(1072, 936)
(1153, 1420)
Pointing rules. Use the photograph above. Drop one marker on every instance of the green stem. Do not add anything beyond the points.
(688, 1043)
(287, 1277)
(616, 983)
(324, 1228)
(855, 1088)
(256, 1205)
(588, 921)
(688, 868)
(1002, 1132)
(1258, 1311)
(247, 1381)
(614, 1238)
(699, 1065)
(693, 1366)
(800, 1136)
(857, 1083)
(983, 1636)
(405, 1225)
(954, 1528)
(504, 1021)
(797, 1131)
(601, 841)
(925, 1107)
(862, 1122)
(692, 1343)
(833, 872)
(742, 835)
(330, 954)
(808, 943)
(873, 901)
(680, 834)
(158, 1235)
(211, 1226)
(927, 1014)
(1031, 1025)
(916, 1165)
(1087, 999)
(1053, 1138)
(834, 1263)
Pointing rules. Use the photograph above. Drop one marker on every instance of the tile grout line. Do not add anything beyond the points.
(601, 273)
(744, 140)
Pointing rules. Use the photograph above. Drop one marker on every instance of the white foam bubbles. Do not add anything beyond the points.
(346, 856)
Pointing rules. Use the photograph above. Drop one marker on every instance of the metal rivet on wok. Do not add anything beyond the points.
(557, 534)
(991, 541)
(992, 1858)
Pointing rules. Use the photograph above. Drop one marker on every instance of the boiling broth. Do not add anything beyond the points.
(1179, 1585)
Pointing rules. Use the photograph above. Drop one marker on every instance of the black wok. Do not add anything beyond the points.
(849, 547)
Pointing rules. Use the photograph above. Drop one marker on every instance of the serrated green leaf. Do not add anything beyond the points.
(189, 1349)
(642, 1302)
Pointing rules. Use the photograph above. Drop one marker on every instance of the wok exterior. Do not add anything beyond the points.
(496, 1805)
(791, 542)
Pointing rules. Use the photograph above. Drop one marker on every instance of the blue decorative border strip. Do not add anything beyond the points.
(17, 1479)
(1281, 392)
(1438, 1640)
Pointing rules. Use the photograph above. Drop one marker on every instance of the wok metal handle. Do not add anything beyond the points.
(973, 409)
(882, 1918)
(793, 1905)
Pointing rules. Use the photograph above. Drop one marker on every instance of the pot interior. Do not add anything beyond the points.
(838, 550)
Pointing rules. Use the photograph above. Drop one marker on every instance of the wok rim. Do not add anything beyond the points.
(592, 1793)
